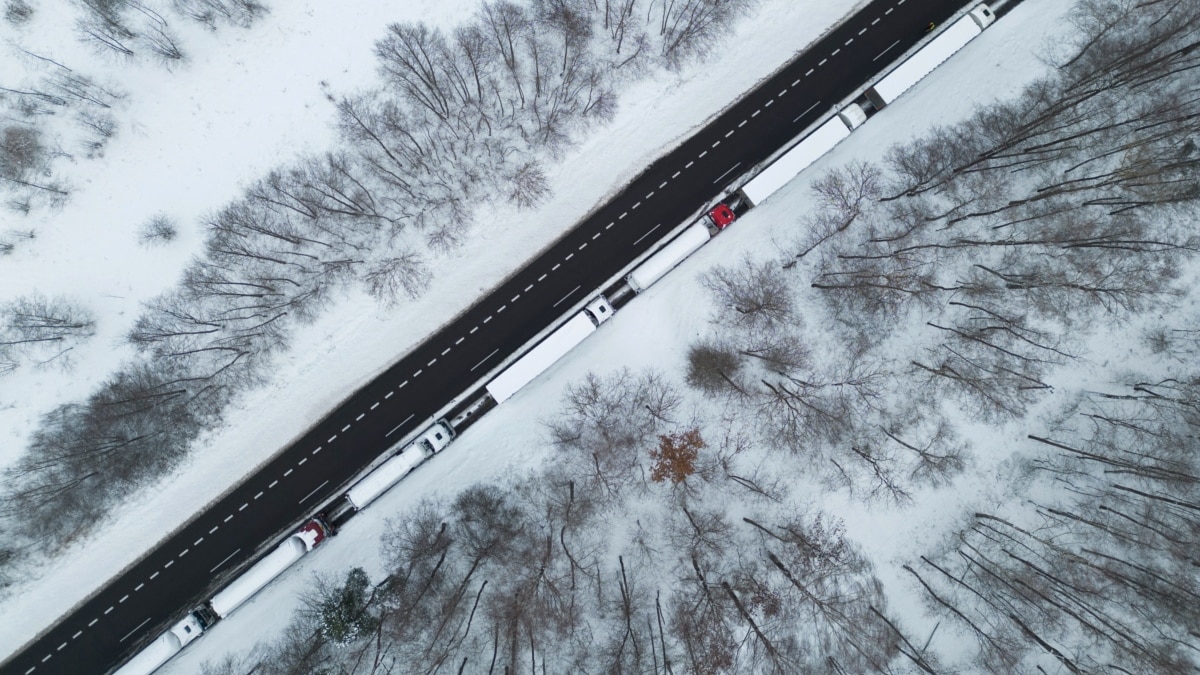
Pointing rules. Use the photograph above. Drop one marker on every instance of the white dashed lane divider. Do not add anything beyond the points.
(488, 318)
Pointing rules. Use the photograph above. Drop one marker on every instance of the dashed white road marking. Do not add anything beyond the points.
(569, 256)
(401, 385)
(865, 30)
(313, 492)
(318, 449)
(60, 647)
(197, 542)
(560, 300)
(875, 22)
(447, 349)
(501, 308)
(108, 611)
(93, 621)
(835, 52)
(119, 602)
(594, 238)
(230, 516)
(76, 635)
(770, 103)
(459, 341)
(46, 658)
(637, 204)
(273, 484)
(607, 227)
(639, 239)
(169, 563)
(243, 506)
(331, 438)
(781, 92)
(743, 122)
(663, 184)
(345, 428)
(889, 10)
(360, 416)
(259, 495)
(433, 361)
(756, 112)
(288, 473)
(484, 359)
(418, 373)
(214, 529)
(390, 394)
(823, 62)
(622, 216)
(676, 174)
(512, 299)
(527, 289)
(689, 165)
(156, 573)
(730, 133)
(223, 561)
(473, 329)
(701, 155)
(135, 590)
(810, 72)
(406, 419)
(849, 41)
(33, 668)
(727, 172)
(487, 318)
(556, 266)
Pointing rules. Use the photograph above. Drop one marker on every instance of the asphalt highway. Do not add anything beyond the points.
(195, 562)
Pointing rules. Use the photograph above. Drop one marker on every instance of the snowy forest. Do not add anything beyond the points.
(963, 278)
(456, 121)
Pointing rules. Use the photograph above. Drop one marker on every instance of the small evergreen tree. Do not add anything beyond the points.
(345, 613)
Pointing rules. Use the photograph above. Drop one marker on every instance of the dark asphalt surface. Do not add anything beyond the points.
(193, 564)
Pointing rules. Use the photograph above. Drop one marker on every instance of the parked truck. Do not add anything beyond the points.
(552, 348)
(922, 62)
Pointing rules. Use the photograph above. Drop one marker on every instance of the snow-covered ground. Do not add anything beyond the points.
(89, 249)
(190, 138)
(509, 440)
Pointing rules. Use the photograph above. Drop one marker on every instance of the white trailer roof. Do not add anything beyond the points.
(927, 59)
(799, 158)
(671, 255)
(388, 474)
(541, 357)
(258, 576)
(154, 655)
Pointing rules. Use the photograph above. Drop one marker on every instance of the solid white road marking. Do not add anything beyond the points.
(727, 172)
(808, 110)
(639, 239)
(484, 359)
(223, 561)
(135, 630)
(560, 300)
(889, 47)
(406, 419)
(313, 492)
